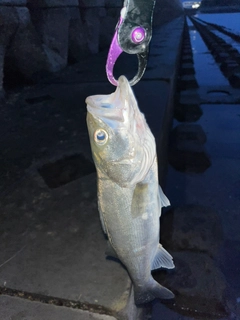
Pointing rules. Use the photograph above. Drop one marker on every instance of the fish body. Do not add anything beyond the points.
(129, 196)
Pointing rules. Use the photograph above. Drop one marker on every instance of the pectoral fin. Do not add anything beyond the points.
(162, 259)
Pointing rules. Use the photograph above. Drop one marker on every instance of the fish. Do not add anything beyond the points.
(129, 196)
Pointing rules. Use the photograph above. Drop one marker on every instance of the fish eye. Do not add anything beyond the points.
(100, 136)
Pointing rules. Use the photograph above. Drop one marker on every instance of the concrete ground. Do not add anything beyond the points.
(52, 249)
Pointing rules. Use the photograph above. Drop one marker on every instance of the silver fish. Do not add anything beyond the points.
(129, 196)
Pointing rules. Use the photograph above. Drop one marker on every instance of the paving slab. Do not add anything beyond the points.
(12, 308)
(52, 244)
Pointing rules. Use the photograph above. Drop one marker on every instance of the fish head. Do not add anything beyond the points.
(122, 144)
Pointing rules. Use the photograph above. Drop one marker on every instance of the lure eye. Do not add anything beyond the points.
(100, 136)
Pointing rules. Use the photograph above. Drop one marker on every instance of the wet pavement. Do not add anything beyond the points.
(208, 203)
(201, 229)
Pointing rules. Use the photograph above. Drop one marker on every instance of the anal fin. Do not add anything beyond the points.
(163, 259)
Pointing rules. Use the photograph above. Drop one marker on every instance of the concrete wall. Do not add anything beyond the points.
(211, 3)
(42, 36)
(219, 6)
(167, 10)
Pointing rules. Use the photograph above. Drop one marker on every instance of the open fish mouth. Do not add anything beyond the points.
(113, 106)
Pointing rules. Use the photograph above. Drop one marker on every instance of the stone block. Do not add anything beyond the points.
(2, 54)
(52, 3)
(187, 68)
(91, 17)
(189, 97)
(13, 3)
(187, 112)
(187, 45)
(77, 41)
(229, 67)
(2, 95)
(188, 107)
(107, 27)
(91, 3)
(186, 151)
(52, 27)
(236, 57)
(9, 23)
(235, 79)
(188, 137)
(165, 11)
(187, 51)
(26, 54)
(226, 46)
(188, 82)
(221, 56)
(187, 59)
(233, 51)
(113, 3)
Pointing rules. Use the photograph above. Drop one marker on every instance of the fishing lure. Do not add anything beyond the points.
(132, 35)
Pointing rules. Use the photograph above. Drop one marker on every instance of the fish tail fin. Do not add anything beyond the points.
(153, 291)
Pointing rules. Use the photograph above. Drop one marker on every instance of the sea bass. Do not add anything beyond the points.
(129, 196)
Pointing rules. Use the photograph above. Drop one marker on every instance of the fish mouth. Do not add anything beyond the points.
(112, 107)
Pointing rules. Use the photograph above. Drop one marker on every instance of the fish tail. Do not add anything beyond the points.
(153, 291)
